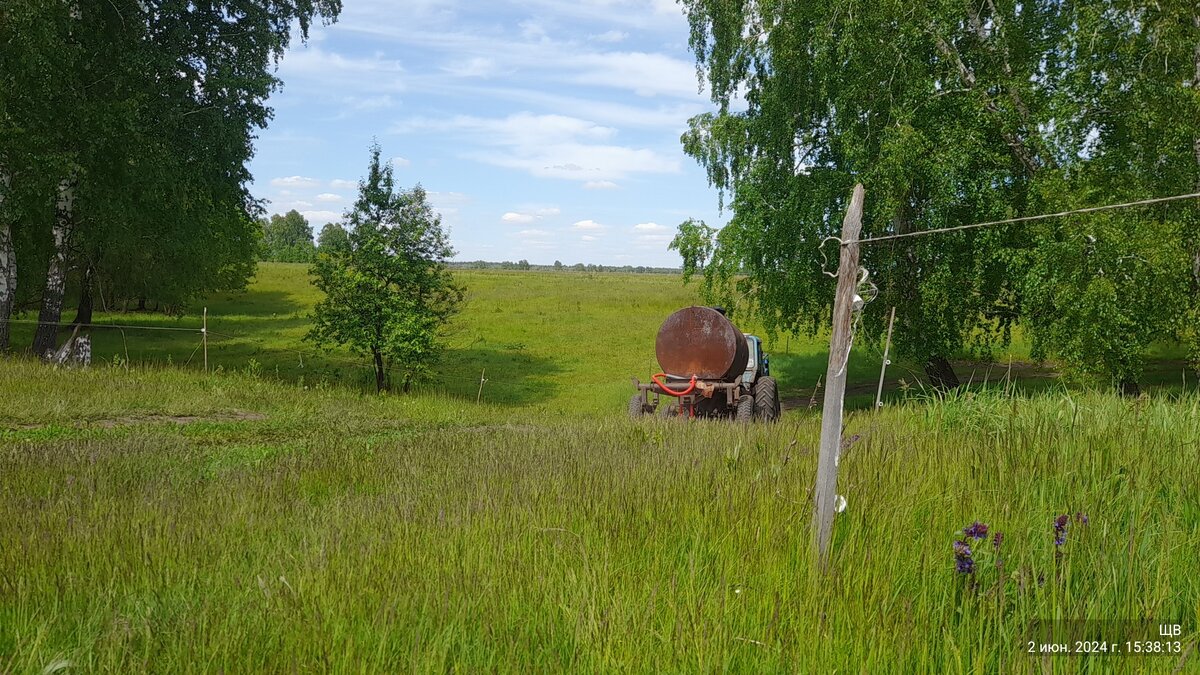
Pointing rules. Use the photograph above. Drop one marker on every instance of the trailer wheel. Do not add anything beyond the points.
(745, 410)
(668, 411)
(636, 407)
(766, 399)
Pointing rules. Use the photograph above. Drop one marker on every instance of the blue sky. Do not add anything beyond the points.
(543, 129)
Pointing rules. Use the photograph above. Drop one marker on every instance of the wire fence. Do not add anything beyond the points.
(220, 342)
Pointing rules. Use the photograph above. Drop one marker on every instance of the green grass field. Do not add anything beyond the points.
(278, 518)
(565, 343)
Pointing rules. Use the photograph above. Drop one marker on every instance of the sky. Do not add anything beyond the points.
(541, 129)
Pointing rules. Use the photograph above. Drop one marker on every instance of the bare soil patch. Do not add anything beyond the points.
(133, 420)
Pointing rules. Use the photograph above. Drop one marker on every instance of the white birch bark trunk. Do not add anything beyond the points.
(45, 340)
(8, 263)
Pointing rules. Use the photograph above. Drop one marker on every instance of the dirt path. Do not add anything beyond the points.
(133, 420)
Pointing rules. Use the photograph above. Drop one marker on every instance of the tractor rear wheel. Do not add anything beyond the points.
(766, 399)
(636, 407)
(745, 410)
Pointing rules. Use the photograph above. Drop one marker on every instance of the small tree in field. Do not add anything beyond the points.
(388, 293)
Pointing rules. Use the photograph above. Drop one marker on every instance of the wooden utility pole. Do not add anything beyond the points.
(887, 347)
(835, 378)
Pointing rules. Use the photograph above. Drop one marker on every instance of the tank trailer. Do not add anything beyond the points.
(709, 369)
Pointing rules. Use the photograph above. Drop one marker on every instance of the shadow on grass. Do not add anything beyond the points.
(255, 303)
(798, 375)
(513, 377)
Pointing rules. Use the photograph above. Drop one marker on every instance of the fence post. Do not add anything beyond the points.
(482, 379)
(835, 379)
(204, 338)
(887, 348)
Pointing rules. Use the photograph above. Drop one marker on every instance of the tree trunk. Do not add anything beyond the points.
(8, 264)
(1130, 388)
(941, 374)
(407, 383)
(380, 376)
(83, 313)
(46, 338)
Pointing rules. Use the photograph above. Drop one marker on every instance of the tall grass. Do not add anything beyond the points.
(350, 533)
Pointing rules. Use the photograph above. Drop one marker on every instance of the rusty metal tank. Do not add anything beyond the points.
(700, 341)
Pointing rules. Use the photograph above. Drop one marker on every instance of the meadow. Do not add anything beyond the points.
(277, 517)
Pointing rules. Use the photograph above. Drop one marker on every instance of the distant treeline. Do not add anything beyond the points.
(525, 265)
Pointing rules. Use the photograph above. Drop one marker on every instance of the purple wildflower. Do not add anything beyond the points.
(976, 530)
(1081, 518)
(996, 540)
(1060, 529)
(963, 561)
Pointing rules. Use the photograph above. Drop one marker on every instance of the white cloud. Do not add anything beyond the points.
(477, 49)
(447, 204)
(533, 233)
(649, 227)
(529, 215)
(667, 7)
(654, 240)
(321, 71)
(329, 197)
(611, 36)
(321, 217)
(532, 30)
(477, 66)
(587, 237)
(447, 198)
(588, 225)
(600, 185)
(400, 162)
(296, 182)
(646, 74)
(341, 184)
(369, 103)
(549, 146)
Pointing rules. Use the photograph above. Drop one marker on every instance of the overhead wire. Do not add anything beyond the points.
(1021, 219)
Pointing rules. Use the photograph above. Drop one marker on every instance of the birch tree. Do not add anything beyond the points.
(136, 121)
(951, 113)
(8, 261)
(45, 339)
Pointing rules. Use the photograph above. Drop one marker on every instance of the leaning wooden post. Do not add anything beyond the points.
(204, 338)
(835, 379)
(887, 348)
